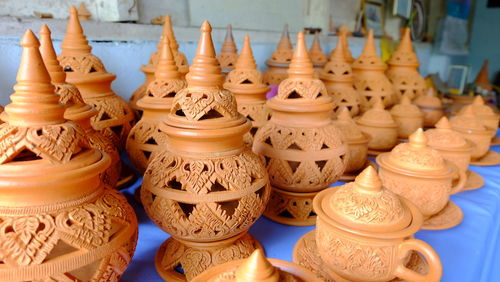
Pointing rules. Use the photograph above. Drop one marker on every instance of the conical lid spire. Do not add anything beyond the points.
(404, 55)
(368, 180)
(443, 123)
(169, 31)
(301, 65)
(49, 56)
(418, 139)
(229, 46)
(338, 54)
(285, 43)
(246, 59)
(316, 53)
(347, 53)
(257, 268)
(34, 101)
(316, 45)
(74, 40)
(370, 49)
(166, 68)
(369, 60)
(482, 78)
(344, 114)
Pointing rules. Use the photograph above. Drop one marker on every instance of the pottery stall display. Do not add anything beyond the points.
(364, 232)
(58, 221)
(207, 187)
(280, 60)
(403, 69)
(419, 173)
(228, 52)
(318, 58)
(431, 106)
(76, 109)
(370, 80)
(145, 138)
(301, 148)
(408, 117)
(257, 268)
(378, 124)
(338, 79)
(456, 149)
(149, 69)
(245, 82)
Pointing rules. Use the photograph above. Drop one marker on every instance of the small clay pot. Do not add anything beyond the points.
(431, 106)
(485, 113)
(380, 127)
(366, 221)
(408, 117)
(280, 60)
(228, 53)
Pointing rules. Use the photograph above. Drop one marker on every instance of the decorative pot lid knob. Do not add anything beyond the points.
(443, 136)
(348, 126)
(406, 108)
(429, 99)
(257, 268)
(404, 55)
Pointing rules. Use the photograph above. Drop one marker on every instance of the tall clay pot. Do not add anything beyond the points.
(280, 60)
(228, 53)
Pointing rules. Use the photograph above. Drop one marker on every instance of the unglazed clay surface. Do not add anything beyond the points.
(279, 61)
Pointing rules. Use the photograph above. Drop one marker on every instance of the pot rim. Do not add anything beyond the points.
(321, 104)
(380, 160)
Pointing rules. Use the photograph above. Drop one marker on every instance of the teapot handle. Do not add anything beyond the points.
(435, 267)
(462, 180)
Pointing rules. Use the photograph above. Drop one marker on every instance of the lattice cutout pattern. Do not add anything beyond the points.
(310, 89)
(144, 139)
(374, 86)
(81, 63)
(409, 83)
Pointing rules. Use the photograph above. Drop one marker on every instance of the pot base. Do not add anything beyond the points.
(348, 177)
(178, 260)
(291, 208)
(474, 181)
(490, 159)
(305, 253)
(450, 216)
(127, 177)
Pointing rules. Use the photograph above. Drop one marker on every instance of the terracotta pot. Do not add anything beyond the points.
(318, 58)
(245, 81)
(408, 117)
(431, 106)
(380, 127)
(362, 219)
(302, 149)
(347, 53)
(58, 218)
(145, 138)
(482, 79)
(228, 53)
(485, 113)
(207, 186)
(280, 60)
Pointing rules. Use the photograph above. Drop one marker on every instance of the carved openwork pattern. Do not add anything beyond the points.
(370, 87)
(345, 96)
(103, 224)
(179, 58)
(243, 77)
(297, 88)
(139, 93)
(274, 77)
(144, 139)
(258, 114)
(69, 94)
(206, 104)
(227, 60)
(165, 88)
(282, 56)
(289, 207)
(336, 71)
(81, 63)
(98, 141)
(407, 82)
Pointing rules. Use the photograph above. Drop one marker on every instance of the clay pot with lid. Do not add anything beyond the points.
(485, 113)
(228, 52)
(318, 58)
(245, 81)
(280, 60)
(403, 69)
(86, 71)
(76, 109)
(206, 188)
(408, 117)
(419, 173)
(431, 106)
(347, 53)
(302, 149)
(59, 220)
(363, 219)
(145, 138)
(381, 128)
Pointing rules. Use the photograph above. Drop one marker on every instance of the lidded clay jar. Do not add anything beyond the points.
(76, 109)
(485, 113)
(58, 220)
(408, 117)
(302, 149)
(145, 138)
(115, 117)
(280, 60)
(257, 268)
(228, 52)
(380, 127)
(338, 79)
(318, 58)
(207, 187)
(245, 81)
(369, 77)
(431, 106)
(403, 69)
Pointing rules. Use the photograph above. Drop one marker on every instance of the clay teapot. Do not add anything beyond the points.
(347, 53)
(256, 268)
(431, 106)
(380, 127)
(318, 58)
(365, 220)
(485, 113)
(206, 188)
(245, 81)
(145, 138)
(149, 69)
(280, 60)
(58, 220)
(302, 149)
(76, 109)
(228, 52)
(408, 117)
(420, 174)
(369, 77)
(115, 117)
(338, 79)
(403, 69)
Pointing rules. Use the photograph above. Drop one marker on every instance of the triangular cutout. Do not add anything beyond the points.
(293, 165)
(151, 141)
(180, 113)
(294, 95)
(60, 249)
(147, 154)
(26, 155)
(105, 116)
(217, 187)
(68, 69)
(253, 130)
(187, 209)
(324, 146)
(92, 69)
(268, 141)
(367, 88)
(117, 130)
(294, 146)
(267, 160)
(229, 207)
(321, 164)
(286, 214)
(211, 115)
(246, 81)
(174, 184)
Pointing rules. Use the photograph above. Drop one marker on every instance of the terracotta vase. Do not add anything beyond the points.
(149, 69)
(431, 106)
(228, 53)
(420, 174)
(245, 81)
(369, 77)
(115, 117)
(207, 188)
(338, 79)
(256, 268)
(403, 69)
(482, 79)
(302, 149)
(367, 221)
(347, 53)
(318, 58)
(409, 117)
(59, 221)
(76, 109)
(485, 113)
(280, 60)
(378, 124)
(145, 138)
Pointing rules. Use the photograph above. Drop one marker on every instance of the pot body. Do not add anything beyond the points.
(141, 90)
(343, 94)
(407, 81)
(381, 138)
(358, 152)
(431, 115)
(481, 141)
(408, 124)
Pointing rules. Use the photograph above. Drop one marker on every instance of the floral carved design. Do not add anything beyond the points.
(258, 114)
(144, 139)
(206, 104)
(370, 87)
(296, 88)
(81, 63)
(69, 94)
(165, 88)
(227, 60)
(98, 141)
(289, 207)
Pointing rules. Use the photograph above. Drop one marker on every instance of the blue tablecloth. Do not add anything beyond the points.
(469, 251)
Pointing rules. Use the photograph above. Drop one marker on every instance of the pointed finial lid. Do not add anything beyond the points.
(480, 109)
(406, 109)
(316, 53)
(377, 115)
(482, 79)
(169, 31)
(246, 59)
(338, 54)
(347, 53)
(34, 101)
(404, 55)
(443, 123)
(478, 101)
(370, 49)
(369, 60)
(83, 12)
(418, 139)
(378, 104)
(229, 46)
(49, 56)
(285, 43)
(301, 65)
(368, 180)
(75, 41)
(344, 114)
(256, 268)
(166, 68)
